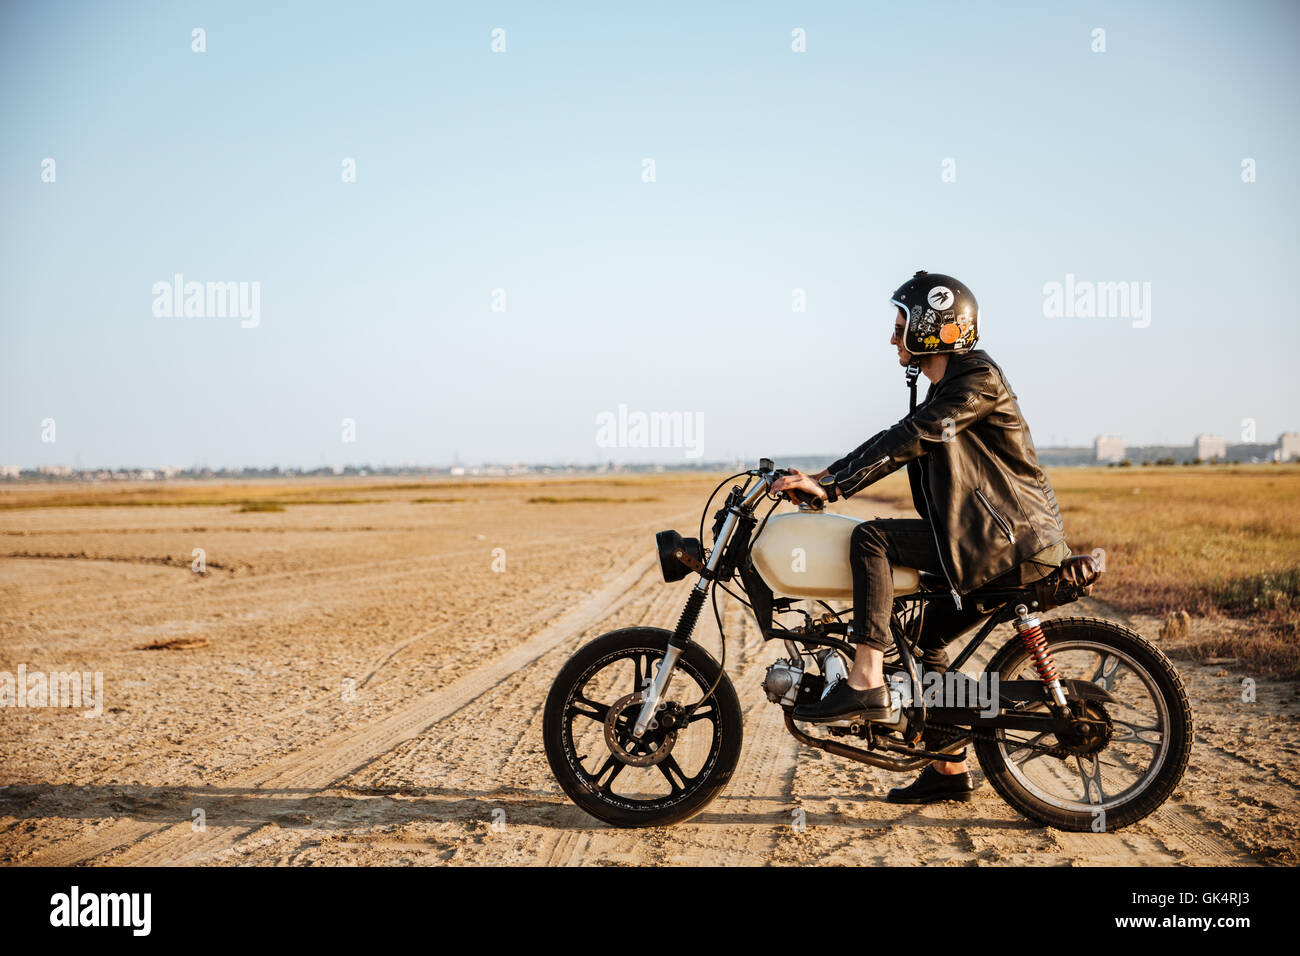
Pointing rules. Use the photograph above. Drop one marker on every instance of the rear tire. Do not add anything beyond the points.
(1166, 762)
(566, 706)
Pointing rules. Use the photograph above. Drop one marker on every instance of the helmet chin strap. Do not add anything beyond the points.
(913, 370)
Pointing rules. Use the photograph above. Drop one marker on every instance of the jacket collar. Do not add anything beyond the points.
(955, 362)
(962, 359)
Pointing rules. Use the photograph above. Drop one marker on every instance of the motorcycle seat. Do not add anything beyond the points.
(1077, 572)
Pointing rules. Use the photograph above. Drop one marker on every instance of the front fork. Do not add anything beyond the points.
(654, 694)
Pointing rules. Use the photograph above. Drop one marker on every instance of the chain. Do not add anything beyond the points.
(979, 733)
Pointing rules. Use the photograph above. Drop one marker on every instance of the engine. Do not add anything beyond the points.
(782, 682)
(789, 684)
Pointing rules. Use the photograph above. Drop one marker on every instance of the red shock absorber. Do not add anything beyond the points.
(1031, 632)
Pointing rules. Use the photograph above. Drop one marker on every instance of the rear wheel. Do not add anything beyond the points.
(1105, 781)
(677, 768)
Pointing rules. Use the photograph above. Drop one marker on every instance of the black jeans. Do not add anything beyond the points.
(907, 542)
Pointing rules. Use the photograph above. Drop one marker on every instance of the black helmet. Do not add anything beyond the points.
(942, 314)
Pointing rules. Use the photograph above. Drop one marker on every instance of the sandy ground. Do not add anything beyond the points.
(362, 687)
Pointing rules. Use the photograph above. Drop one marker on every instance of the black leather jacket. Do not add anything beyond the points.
(974, 474)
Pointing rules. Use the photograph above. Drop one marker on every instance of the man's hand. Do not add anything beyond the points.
(797, 479)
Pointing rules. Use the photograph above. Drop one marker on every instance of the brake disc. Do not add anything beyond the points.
(654, 745)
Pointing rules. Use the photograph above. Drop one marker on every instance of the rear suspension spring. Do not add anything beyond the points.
(1036, 644)
(1031, 632)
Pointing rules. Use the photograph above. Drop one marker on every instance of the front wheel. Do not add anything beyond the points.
(1109, 780)
(677, 768)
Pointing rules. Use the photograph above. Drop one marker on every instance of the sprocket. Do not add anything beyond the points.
(1089, 743)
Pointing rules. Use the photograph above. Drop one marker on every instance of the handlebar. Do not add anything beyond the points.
(793, 494)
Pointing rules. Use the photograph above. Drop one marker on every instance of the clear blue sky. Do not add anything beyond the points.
(523, 171)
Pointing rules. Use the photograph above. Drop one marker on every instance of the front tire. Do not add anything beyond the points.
(668, 788)
(1128, 777)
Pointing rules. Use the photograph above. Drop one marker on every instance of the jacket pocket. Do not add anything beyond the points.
(998, 519)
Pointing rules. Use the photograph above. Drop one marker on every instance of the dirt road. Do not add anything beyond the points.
(363, 684)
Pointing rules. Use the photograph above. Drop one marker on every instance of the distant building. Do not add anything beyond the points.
(1109, 448)
(57, 471)
(10, 471)
(1288, 447)
(1210, 446)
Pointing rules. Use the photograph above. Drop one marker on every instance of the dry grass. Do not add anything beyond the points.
(290, 492)
(1202, 539)
(583, 499)
(1209, 540)
(1265, 651)
(162, 495)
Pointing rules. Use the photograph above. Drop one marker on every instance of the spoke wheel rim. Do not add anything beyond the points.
(1087, 771)
(608, 768)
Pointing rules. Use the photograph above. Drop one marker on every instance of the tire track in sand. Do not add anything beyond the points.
(302, 584)
(744, 823)
(303, 773)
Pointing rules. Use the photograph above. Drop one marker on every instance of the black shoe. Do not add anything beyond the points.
(843, 701)
(933, 785)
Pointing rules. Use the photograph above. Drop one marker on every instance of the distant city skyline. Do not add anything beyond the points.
(1106, 449)
(257, 235)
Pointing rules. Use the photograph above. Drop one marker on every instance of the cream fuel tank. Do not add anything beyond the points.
(806, 555)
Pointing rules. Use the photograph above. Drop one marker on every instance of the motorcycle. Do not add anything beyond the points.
(1078, 723)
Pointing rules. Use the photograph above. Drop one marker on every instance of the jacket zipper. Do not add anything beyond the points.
(1002, 522)
(868, 469)
(956, 598)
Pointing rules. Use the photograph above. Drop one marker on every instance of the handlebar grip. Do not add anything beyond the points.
(797, 496)
(805, 498)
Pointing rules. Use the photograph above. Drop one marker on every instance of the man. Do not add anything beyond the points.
(988, 512)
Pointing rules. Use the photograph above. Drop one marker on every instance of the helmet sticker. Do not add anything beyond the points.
(949, 333)
(940, 297)
(923, 324)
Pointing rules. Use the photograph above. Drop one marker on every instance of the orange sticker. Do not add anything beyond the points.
(949, 333)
